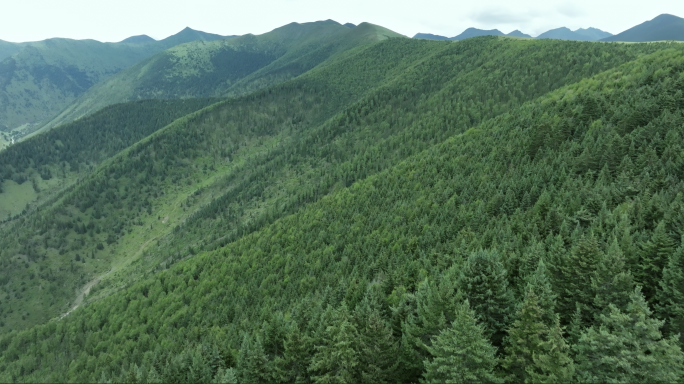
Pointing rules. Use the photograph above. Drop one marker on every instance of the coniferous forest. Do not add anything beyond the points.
(491, 210)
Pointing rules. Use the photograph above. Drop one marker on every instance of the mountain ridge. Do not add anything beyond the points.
(662, 27)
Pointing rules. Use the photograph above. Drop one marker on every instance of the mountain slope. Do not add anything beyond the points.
(429, 36)
(663, 27)
(563, 33)
(7, 49)
(474, 32)
(593, 33)
(35, 170)
(232, 168)
(226, 67)
(517, 33)
(43, 77)
(547, 181)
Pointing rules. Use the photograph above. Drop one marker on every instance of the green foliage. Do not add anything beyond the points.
(535, 351)
(419, 189)
(628, 348)
(484, 282)
(461, 353)
(670, 295)
(41, 78)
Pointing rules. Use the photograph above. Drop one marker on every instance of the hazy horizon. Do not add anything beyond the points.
(112, 21)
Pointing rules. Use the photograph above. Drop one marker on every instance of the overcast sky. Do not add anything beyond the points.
(114, 20)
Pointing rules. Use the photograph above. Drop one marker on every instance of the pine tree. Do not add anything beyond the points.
(552, 364)
(612, 282)
(653, 258)
(292, 366)
(670, 296)
(252, 363)
(483, 281)
(541, 284)
(628, 348)
(227, 376)
(461, 353)
(337, 360)
(525, 339)
(572, 275)
(378, 347)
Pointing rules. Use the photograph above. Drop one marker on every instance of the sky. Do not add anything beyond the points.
(114, 20)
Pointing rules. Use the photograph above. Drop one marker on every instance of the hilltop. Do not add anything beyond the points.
(663, 27)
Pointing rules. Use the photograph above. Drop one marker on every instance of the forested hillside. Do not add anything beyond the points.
(39, 79)
(484, 239)
(227, 171)
(45, 165)
(227, 67)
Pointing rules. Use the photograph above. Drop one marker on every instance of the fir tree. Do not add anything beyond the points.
(337, 360)
(572, 275)
(461, 353)
(292, 366)
(654, 256)
(670, 296)
(612, 281)
(541, 284)
(552, 364)
(378, 347)
(525, 339)
(628, 348)
(483, 281)
(252, 363)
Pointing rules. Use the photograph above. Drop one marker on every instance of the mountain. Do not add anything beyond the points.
(517, 33)
(349, 213)
(139, 39)
(42, 78)
(7, 49)
(226, 67)
(593, 34)
(187, 35)
(663, 27)
(429, 36)
(349, 25)
(474, 32)
(228, 170)
(563, 33)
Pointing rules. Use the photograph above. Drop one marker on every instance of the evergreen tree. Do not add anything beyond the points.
(378, 347)
(653, 257)
(628, 348)
(227, 376)
(525, 339)
(461, 353)
(572, 275)
(292, 366)
(612, 281)
(252, 363)
(670, 296)
(483, 281)
(541, 284)
(552, 364)
(337, 360)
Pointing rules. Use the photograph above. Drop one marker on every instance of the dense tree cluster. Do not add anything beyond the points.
(436, 228)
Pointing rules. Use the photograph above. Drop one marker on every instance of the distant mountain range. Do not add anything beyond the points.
(589, 34)
(663, 27)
